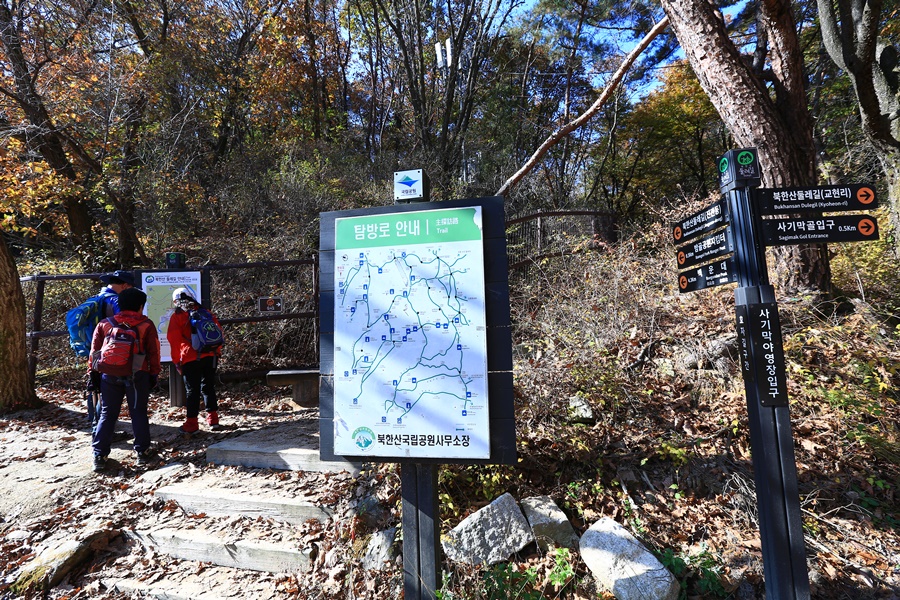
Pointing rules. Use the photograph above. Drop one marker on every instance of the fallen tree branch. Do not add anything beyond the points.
(568, 128)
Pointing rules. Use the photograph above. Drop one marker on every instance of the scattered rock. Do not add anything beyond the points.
(370, 512)
(490, 535)
(56, 561)
(380, 551)
(579, 411)
(622, 566)
(549, 524)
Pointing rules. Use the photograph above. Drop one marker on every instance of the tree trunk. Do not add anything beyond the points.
(891, 165)
(16, 391)
(780, 129)
(852, 36)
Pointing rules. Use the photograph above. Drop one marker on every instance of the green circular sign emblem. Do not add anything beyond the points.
(363, 437)
(746, 158)
(723, 164)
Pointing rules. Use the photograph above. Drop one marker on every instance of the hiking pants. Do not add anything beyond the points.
(200, 381)
(136, 391)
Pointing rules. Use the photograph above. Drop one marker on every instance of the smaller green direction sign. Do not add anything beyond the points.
(704, 249)
(825, 198)
(708, 219)
(711, 275)
(819, 230)
(738, 165)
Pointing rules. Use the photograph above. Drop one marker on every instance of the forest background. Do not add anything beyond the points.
(130, 128)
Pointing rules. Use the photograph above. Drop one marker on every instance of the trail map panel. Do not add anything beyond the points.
(159, 285)
(410, 341)
(826, 198)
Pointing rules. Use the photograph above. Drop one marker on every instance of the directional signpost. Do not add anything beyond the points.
(826, 198)
(819, 230)
(733, 250)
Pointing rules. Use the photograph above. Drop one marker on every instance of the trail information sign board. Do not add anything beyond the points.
(826, 198)
(702, 250)
(711, 275)
(410, 352)
(159, 285)
(819, 229)
(699, 223)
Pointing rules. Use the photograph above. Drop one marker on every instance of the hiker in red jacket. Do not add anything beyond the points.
(197, 367)
(134, 386)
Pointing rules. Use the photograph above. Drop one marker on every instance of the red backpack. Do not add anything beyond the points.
(120, 355)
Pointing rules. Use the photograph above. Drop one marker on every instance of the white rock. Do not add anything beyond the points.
(622, 566)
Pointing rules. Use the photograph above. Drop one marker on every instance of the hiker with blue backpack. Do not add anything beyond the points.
(195, 338)
(125, 355)
(83, 319)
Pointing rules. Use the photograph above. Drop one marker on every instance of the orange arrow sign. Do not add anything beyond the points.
(865, 195)
(866, 226)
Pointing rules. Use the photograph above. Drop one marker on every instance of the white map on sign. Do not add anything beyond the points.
(410, 351)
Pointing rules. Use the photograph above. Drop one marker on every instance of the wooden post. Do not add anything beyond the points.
(35, 327)
(176, 387)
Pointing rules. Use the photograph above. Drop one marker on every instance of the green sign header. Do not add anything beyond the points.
(404, 228)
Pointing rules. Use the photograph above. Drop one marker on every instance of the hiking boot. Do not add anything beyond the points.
(190, 426)
(212, 419)
(146, 457)
(99, 463)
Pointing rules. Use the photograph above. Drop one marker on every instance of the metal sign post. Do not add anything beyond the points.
(735, 239)
(763, 368)
(733, 250)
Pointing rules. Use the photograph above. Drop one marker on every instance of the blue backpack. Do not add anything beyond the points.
(206, 335)
(82, 320)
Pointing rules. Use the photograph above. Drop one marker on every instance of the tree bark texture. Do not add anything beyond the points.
(850, 34)
(16, 391)
(780, 127)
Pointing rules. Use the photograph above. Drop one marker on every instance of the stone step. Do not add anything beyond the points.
(201, 546)
(288, 446)
(162, 590)
(220, 502)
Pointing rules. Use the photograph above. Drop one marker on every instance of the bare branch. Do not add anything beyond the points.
(568, 128)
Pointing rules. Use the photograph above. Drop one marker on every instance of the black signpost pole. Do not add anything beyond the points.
(763, 367)
(733, 228)
(421, 530)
